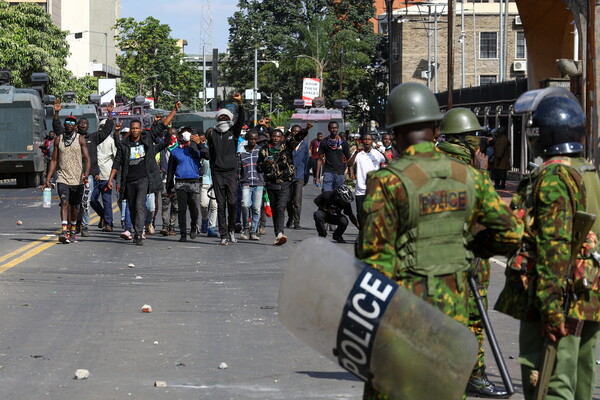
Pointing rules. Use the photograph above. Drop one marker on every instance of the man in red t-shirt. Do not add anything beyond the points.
(314, 153)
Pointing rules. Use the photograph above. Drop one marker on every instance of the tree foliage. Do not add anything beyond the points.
(336, 33)
(30, 42)
(151, 63)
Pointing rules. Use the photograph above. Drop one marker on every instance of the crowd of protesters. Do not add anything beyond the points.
(226, 181)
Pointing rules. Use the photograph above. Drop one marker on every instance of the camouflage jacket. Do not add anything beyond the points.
(386, 212)
(537, 274)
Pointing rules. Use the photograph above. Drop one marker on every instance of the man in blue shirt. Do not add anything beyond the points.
(183, 174)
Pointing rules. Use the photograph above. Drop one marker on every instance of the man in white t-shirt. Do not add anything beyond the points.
(366, 159)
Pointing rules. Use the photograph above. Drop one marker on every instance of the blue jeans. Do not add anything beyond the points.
(150, 208)
(251, 203)
(331, 181)
(125, 216)
(103, 209)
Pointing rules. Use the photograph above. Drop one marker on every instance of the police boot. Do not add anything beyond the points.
(482, 387)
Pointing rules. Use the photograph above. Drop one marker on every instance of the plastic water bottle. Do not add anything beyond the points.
(47, 198)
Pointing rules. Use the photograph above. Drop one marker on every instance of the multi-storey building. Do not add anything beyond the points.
(488, 47)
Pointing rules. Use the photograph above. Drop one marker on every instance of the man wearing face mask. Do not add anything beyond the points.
(183, 175)
(72, 162)
(222, 146)
(276, 162)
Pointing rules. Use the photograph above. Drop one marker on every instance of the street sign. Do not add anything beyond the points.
(210, 93)
(248, 94)
(310, 88)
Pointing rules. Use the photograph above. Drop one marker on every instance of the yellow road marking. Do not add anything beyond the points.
(41, 244)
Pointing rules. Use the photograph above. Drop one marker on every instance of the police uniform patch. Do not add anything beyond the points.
(442, 200)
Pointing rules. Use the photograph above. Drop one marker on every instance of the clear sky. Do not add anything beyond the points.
(184, 17)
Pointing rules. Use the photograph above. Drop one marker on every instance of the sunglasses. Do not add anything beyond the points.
(70, 122)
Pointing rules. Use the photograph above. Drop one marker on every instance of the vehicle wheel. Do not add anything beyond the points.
(34, 179)
(21, 180)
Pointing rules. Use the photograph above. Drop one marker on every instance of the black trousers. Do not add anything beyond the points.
(187, 198)
(278, 197)
(324, 217)
(359, 204)
(225, 186)
(294, 203)
(135, 193)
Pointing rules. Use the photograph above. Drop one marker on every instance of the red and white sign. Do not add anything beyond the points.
(310, 90)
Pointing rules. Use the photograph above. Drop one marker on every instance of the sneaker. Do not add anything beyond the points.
(172, 231)
(164, 232)
(126, 235)
(85, 232)
(101, 224)
(212, 233)
(138, 240)
(73, 238)
(232, 238)
(254, 236)
(245, 234)
(150, 229)
(262, 230)
(144, 235)
(183, 238)
(224, 241)
(281, 239)
(64, 237)
(204, 226)
(297, 227)
(339, 239)
(107, 228)
(288, 224)
(193, 232)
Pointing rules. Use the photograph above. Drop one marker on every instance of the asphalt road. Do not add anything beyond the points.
(78, 306)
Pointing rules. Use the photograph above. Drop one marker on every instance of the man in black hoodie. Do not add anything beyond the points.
(93, 140)
(140, 175)
(222, 146)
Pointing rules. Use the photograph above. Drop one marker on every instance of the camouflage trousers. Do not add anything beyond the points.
(450, 295)
(482, 276)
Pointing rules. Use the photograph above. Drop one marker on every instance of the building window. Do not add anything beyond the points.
(486, 79)
(488, 45)
(521, 50)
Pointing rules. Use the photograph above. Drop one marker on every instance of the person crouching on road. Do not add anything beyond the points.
(276, 162)
(183, 175)
(332, 207)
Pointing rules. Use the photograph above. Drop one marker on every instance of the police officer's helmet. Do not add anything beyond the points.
(554, 122)
(458, 121)
(344, 193)
(411, 103)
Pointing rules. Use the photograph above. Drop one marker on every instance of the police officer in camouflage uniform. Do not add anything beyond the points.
(421, 210)
(460, 126)
(539, 277)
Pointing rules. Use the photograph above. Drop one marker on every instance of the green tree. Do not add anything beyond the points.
(151, 63)
(30, 42)
(337, 34)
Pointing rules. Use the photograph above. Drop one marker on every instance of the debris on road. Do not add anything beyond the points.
(223, 366)
(131, 265)
(19, 222)
(156, 342)
(82, 374)
(146, 308)
(138, 277)
(160, 384)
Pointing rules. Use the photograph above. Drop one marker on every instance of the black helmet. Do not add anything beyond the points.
(560, 126)
(344, 193)
(555, 122)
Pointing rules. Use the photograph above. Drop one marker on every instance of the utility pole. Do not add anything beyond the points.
(450, 76)
(389, 4)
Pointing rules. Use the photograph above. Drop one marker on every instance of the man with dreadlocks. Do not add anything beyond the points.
(71, 160)
(460, 126)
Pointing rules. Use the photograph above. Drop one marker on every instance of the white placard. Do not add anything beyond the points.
(310, 88)
(109, 88)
